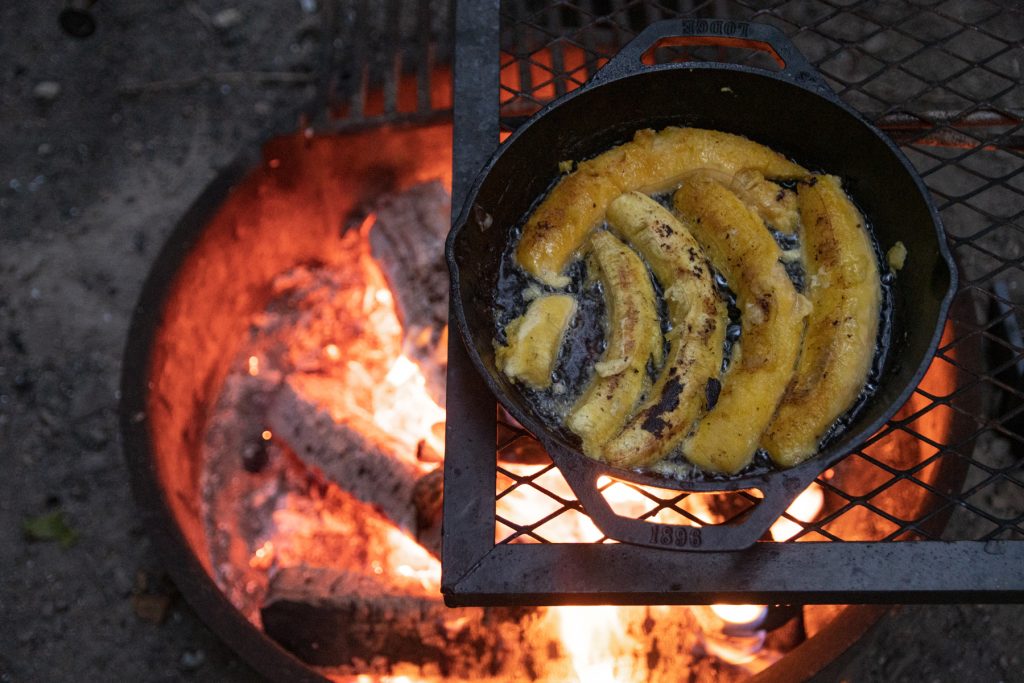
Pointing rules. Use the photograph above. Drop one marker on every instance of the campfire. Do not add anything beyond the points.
(298, 426)
(321, 487)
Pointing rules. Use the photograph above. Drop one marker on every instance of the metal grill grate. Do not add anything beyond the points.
(944, 80)
(385, 63)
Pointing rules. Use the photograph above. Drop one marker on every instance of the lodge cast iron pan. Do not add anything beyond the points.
(792, 111)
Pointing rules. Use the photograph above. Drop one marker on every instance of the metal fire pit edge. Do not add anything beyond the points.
(186, 571)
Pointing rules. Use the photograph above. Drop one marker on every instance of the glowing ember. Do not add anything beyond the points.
(263, 557)
(332, 351)
(416, 563)
(267, 435)
(404, 409)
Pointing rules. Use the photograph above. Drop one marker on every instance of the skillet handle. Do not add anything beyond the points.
(722, 32)
(779, 489)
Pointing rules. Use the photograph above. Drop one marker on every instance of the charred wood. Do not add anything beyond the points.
(337, 618)
(428, 498)
(407, 240)
(349, 451)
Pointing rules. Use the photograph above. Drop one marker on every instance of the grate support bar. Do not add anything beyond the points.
(469, 520)
(821, 573)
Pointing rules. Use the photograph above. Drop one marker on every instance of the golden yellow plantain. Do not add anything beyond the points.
(772, 314)
(534, 339)
(775, 204)
(689, 379)
(651, 162)
(634, 338)
(845, 292)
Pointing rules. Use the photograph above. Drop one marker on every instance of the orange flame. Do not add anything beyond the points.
(597, 642)
(805, 508)
(404, 408)
(741, 615)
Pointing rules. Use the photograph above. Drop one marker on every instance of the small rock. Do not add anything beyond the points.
(44, 149)
(226, 19)
(151, 608)
(46, 91)
(192, 659)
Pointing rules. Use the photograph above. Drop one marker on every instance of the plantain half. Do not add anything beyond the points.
(652, 162)
(688, 381)
(845, 292)
(633, 339)
(534, 340)
(772, 314)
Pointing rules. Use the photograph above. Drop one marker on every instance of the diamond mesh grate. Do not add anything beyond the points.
(943, 79)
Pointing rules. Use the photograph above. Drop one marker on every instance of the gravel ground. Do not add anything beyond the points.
(96, 167)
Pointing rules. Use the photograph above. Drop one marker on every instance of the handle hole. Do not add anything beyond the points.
(669, 506)
(676, 49)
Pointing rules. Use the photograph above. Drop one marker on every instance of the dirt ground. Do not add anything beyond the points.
(104, 143)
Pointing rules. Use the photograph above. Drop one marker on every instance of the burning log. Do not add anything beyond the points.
(428, 498)
(348, 450)
(327, 617)
(407, 240)
(339, 618)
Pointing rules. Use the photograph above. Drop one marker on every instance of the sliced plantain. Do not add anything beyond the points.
(634, 339)
(772, 314)
(844, 289)
(651, 162)
(688, 381)
(534, 340)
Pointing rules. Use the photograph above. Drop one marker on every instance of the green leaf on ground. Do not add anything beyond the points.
(49, 527)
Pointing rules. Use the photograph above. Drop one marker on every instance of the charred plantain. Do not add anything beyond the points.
(634, 339)
(651, 162)
(698, 317)
(844, 290)
(775, 204)
(772, 319)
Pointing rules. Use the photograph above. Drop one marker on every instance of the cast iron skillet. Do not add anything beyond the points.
(792, 111)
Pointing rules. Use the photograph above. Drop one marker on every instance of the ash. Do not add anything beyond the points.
(316, 397)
